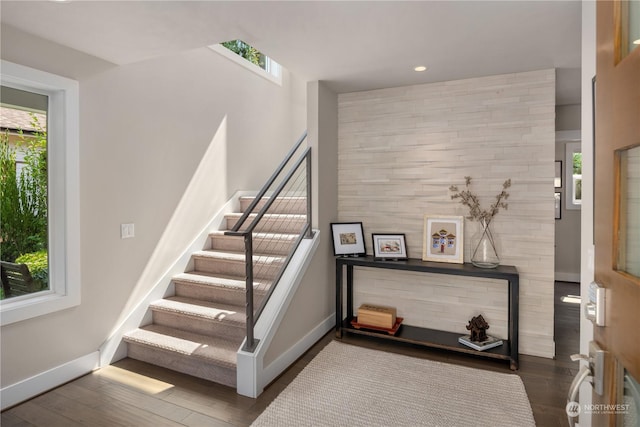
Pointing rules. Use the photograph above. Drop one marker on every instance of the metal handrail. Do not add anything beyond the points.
(247, 234)
(269, 183)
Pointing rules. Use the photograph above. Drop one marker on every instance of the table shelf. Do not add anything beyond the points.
(423, 336)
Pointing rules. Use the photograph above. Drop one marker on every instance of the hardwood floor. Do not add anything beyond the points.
(132, 393)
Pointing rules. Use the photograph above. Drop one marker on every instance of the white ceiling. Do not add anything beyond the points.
(353, 46)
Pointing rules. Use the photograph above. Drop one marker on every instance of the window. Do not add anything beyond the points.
(251, 58)
(24, 235)
(63, 199)
(573, 175)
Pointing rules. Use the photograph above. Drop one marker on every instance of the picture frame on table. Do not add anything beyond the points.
(348, 239)
(389, 246)
(443, 239)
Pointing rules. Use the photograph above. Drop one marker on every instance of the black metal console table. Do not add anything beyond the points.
(431, 337)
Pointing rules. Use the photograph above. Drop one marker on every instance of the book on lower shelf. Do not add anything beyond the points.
(490, 342)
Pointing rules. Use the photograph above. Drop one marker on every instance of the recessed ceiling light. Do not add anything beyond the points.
(420, 68)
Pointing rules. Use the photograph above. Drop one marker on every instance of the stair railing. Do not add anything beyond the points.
(290, 183)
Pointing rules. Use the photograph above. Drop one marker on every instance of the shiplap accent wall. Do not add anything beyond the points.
(399, 151)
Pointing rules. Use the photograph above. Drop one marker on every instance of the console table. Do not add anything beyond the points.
(423, 336)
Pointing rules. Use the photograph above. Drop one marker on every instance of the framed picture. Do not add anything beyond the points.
(389, 246)
(348, 239)
(558, 205)
(443, 239)
(558, 179)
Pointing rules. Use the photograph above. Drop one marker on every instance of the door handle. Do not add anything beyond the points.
(583, 375)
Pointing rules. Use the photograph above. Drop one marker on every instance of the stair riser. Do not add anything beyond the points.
(262, 246)
(232, 268)
(280, 225)
(281, 206)
(212, 328)
(186, 364)
(213, 293)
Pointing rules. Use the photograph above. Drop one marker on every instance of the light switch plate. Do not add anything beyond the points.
(127, 231)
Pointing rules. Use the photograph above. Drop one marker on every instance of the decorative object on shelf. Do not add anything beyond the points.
(443, 239)
(389, 331)
(389, 246)
(478, 338)
(478, 328)
(483, 245)
(490, 342)
(348, 239)
(377, 315)
(558, 197)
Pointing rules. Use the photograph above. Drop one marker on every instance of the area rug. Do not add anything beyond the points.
(346, 385)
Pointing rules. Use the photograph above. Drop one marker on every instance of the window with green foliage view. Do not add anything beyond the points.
(247, 51)
(23, 196)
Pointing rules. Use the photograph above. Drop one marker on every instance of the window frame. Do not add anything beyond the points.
(570, 149)
(64, 193)
(271, 72)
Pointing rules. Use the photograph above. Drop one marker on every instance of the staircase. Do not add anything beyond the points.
(199, 330)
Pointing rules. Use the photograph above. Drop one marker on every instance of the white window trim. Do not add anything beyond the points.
(571, 203)
(64, 194)
(273, 72)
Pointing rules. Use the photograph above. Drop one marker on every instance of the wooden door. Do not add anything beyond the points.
(617, 213)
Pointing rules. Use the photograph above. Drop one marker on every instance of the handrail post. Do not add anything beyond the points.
(251, 343)
(309, 190)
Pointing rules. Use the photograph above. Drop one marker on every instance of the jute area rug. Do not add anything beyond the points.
(346, 385)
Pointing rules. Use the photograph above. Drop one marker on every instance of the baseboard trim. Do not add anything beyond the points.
(26, 389)
(287, 358)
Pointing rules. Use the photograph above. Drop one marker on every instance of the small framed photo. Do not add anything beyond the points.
(389, 246)
(443, 239)
(558, 197)
(558, 179)
(348, 239)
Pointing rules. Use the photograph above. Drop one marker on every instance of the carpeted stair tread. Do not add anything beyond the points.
(289, 237)
(225, 281)
(214, 311)
(212, 254)
(298, 217)
(212, 349)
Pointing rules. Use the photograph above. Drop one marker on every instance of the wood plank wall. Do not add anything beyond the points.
(399, 151)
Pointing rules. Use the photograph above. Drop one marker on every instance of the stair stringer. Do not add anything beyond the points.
(114, 348)
(252, 375)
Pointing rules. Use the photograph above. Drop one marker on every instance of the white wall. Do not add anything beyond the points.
(314, 300)
(163, 143)
(567, 240)
(399, 151)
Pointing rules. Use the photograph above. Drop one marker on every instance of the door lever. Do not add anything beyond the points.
(577, 357)
(582, 376)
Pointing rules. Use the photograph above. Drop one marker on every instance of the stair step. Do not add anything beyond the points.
(233, 263)
(264, 243)
(217, 288)
(202, 317)
(282, 204)
(202, 356)
(271, 223)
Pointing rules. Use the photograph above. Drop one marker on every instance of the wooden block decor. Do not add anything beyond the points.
(379, 316)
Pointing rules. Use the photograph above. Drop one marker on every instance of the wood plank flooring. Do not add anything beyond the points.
(133, 393)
